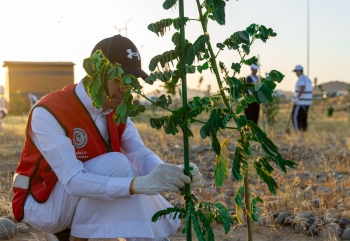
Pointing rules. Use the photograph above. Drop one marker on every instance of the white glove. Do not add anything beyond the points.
(295, 99)
(163, 178)
(196, 175)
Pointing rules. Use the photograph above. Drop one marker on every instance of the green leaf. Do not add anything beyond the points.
(239, 196)
(209, 3)
(276, 76)
(252, 29)
(254, 209)
(257, 86)
(176, 22)
(196, 227)
(121, 110)
(160, 26)
(244, 37)
(198, 46)
(231, 44)
(262, 97)
(176, 39)
(246, 49)
(199, 68)
(264, 170)
(220, 46)
(169, 4)
(236, 67)
(236, 88)
(252, 60)
(219, 11)
(163, 213)
(241, 121)
(224, 216)
(239, 164)
(128, 80)
(222, 162)
(215, 143)
(239, 109)
(239, 37)
(205, 66)
(263, 33)
(190, 69)
(166, 57)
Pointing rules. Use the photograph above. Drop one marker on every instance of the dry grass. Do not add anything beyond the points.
(323, 149)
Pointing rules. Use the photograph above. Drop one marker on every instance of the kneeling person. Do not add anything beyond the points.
(79, 170)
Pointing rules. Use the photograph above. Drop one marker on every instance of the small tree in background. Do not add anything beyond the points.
(225, 111)
(271, 110)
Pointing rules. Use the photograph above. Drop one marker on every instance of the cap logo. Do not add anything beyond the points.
(131, 54)
(79, 137)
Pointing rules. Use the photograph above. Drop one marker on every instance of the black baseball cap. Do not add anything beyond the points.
(123, 51)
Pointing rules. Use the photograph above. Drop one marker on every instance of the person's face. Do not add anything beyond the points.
(298, 72)
(116, 92)
(254, 71)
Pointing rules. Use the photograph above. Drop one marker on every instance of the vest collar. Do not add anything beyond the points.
(85, 99)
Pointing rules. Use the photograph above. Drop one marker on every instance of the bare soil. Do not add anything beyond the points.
(322, 151)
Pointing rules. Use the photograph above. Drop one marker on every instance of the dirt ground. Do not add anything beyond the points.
(324, 149)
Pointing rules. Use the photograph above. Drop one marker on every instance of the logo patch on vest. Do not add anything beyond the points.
(79, 137)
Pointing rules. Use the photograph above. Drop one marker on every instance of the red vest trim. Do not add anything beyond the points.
(71, 114)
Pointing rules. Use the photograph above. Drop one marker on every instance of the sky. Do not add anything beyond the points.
(67, 30)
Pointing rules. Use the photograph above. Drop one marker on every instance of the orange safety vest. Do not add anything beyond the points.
(78, 125)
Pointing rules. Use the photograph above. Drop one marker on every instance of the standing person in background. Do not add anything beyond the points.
(3, 113)
(302, 100)
(32, 99)
(252, 112)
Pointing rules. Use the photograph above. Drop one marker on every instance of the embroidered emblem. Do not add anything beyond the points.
(131, 54)
(79, 137)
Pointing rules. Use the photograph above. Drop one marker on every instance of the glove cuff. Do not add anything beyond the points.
(131, 188)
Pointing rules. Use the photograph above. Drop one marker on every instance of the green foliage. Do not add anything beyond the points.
(197, 47)
(239, 198)
(175, 212)
(222, 162)
(169, 4)
(163, 76)
(264, 170)
(160, 26)
(271, 110)
(172, 124)
(225, 110)
(254, 209)
(165, 58)
(99, 72)
(201, 215)
(330, 111)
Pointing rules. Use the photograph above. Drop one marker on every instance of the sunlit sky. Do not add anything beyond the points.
(67, 30)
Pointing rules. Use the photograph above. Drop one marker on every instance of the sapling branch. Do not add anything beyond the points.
(154, 103)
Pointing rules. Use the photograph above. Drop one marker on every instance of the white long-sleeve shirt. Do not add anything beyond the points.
(306, 96)
(57, 149)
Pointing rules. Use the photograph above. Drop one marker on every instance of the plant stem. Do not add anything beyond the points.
(184, 104)
(213, 61)
(247, 199)
(217, 53)
(227, 127)
(154, 103)
(228, 106)
(247, 206)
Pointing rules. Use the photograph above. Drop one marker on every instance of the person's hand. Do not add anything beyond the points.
(164, 178)
(295, 99)
(196, 175)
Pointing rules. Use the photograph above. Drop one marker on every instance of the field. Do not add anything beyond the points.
(319, 184)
